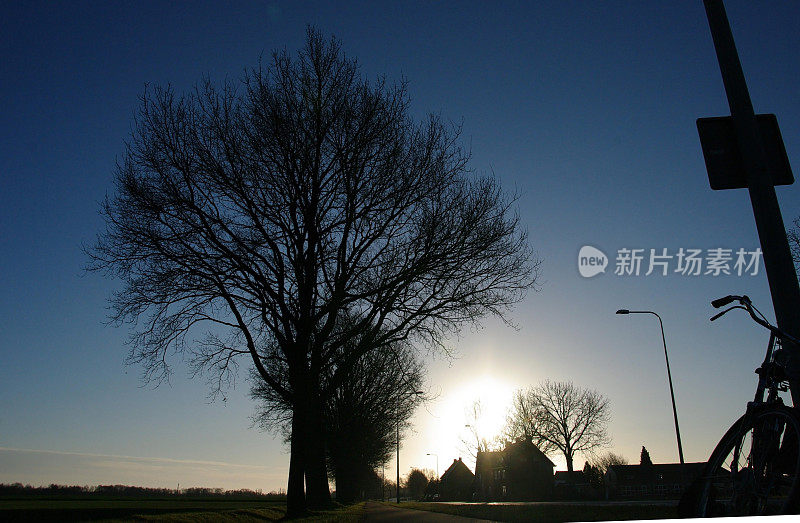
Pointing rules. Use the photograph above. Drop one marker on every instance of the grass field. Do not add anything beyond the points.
(174, 510)
(549, 512)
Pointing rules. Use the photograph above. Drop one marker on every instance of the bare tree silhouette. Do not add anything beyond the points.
(793, 235)
(290, 214)
(558, 416)
(608, 459)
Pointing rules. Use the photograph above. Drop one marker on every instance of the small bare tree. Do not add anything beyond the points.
(558, 416)
(608, 459)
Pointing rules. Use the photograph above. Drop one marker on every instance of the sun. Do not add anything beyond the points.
(455, 409)
(487, 402)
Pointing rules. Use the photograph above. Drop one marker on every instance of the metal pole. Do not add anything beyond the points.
(671, 391)
(778, 263)
(669, 377)
(398, 449)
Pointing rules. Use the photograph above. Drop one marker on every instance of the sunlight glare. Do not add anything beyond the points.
(454, 411)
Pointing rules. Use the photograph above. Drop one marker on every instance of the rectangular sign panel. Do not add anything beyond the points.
(724, 161)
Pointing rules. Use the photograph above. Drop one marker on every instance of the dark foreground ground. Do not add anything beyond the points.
(137, 510)
(554, 512)
(200, 510)
(391, 512)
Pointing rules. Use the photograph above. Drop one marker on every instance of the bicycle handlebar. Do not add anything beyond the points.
(721, 302)
(746, 304)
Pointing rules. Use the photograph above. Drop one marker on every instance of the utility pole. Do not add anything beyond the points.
(778, 262)
(398, 452)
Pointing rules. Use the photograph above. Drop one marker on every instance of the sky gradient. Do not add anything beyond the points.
(585, 109)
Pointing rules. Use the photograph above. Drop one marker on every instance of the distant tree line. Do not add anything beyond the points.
(129, 491)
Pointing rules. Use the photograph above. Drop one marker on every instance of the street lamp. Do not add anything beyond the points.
(417, 393)
(669, 376)
(437, 463)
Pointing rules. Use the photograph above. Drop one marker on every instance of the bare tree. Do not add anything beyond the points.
(794, 242)
(558, 416)
(290, 214)
(608, 459)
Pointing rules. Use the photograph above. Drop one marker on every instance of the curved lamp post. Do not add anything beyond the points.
(669, 376)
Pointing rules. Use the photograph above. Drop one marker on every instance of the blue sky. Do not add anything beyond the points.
(586, 109)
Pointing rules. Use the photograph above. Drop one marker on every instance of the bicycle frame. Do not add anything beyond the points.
(767, 381)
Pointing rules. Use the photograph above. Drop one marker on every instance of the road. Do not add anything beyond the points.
(380, 512)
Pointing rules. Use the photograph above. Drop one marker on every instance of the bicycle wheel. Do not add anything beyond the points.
(755, 469)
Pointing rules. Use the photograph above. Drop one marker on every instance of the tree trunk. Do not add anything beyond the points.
(569, 461)
(295, 492)
(318, 491)
(346, 486)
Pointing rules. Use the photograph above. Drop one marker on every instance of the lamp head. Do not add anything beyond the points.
(623, 311)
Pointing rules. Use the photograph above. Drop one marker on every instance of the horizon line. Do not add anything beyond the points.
(138, 458)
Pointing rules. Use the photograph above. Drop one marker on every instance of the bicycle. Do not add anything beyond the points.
(755, 467)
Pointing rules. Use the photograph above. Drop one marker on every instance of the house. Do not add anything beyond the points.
(572, 485)
(456, 483)
(653, 481)
(519, 472)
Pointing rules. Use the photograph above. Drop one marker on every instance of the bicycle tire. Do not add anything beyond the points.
(743, 478)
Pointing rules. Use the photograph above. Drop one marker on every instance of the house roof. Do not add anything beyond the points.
(496, 459)
(458, 468)
(525, 446)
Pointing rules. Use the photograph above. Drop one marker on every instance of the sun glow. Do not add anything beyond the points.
(456, 409)
(487, 409)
